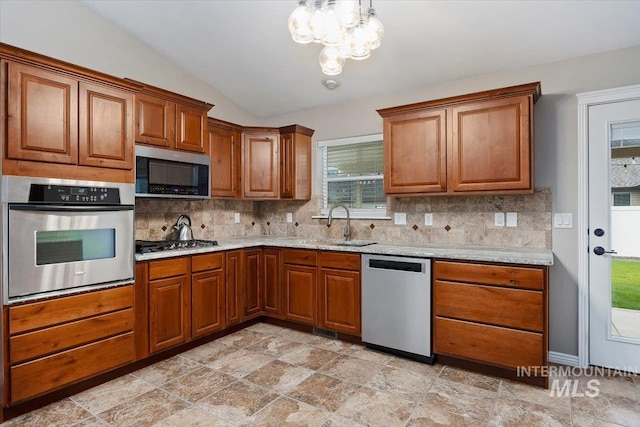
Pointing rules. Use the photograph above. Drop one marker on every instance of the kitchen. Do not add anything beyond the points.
(555, 156)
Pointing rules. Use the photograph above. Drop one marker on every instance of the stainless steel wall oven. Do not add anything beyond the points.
(62, 236)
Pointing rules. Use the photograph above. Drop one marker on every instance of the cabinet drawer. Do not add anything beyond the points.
(489, 344)
(169, 268)
(57, 338)
(207, 262)
(42, 375)
(513, 277)
(516, 308)
(340, 260)
(36, 315)
(300, 257)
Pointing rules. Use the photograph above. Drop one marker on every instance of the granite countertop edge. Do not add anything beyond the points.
(468, 253)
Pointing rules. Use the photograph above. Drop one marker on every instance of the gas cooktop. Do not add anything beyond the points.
(146, 246)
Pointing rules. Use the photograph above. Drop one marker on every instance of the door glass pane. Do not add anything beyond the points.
(625, 229)
(56, 247)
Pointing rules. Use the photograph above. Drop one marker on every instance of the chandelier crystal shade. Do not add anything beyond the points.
(344, 27)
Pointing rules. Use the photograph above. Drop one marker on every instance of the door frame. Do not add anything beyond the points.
(586, 100)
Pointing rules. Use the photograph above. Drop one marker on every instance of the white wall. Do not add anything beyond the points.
(72, 32)
(556, 149)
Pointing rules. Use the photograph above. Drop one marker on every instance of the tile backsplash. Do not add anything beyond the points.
(457, 220)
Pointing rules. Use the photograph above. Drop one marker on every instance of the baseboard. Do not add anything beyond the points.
(563, 358)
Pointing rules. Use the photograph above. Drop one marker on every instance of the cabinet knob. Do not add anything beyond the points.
(513, 281)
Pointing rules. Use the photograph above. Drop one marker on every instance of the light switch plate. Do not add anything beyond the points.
(563, 220)
(428, 219)
(289, 217)
(236, 217)
(499, 219)
(512, 219)
(400, 218)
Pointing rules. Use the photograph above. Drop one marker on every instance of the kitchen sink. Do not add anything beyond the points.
(329, 242)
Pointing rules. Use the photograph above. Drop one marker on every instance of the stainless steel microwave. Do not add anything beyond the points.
(172, 174)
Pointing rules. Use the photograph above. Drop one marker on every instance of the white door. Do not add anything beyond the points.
(614, 235)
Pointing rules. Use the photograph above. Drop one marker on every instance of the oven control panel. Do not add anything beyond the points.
(69, 194)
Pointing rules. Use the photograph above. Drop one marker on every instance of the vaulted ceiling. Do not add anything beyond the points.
(243, 48)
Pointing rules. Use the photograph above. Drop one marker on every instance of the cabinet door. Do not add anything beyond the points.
(169, 314)
(225, 162)
(272, 294)
(339, 300)
(42, 115)
(191, 126)
(207, 302)
(261, 166)
(295, 166)
(300, 293)
(106, 127)
(155, 121)
(415, 153)
(252, 269)
(491, 146)
(233, 284)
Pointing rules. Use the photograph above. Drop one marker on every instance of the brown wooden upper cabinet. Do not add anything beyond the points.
(260, 163)
(225, 140)
(295, 162)
(169, 120)
(68, 117)
(469, 144)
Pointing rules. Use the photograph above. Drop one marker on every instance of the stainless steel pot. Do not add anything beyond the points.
(183, 230)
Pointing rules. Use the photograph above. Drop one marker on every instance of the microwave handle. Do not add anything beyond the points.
(57, 208)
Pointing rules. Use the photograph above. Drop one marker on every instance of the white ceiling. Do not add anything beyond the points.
(243, 48)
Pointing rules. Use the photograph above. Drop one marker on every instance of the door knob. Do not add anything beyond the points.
(599, 250)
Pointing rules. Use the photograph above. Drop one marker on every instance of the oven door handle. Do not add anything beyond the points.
(50, 208)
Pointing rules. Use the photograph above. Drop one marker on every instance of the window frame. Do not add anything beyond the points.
(358, 213)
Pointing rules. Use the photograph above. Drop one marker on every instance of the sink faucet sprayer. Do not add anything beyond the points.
(347, 230)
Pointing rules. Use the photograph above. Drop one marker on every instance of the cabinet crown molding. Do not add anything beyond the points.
(171, 96)
(16, 54)
(532, 89)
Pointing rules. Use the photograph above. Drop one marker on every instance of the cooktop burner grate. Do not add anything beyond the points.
(146, 246)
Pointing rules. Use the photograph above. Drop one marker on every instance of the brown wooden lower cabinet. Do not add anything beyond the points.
(169, 312)
(57, 342)
(300, 286)
(207, 294)
(233, 285)
(491, 314)
(272, 289)
(252, 280)
(339, 301)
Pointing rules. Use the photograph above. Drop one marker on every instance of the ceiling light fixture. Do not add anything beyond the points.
(344, 27)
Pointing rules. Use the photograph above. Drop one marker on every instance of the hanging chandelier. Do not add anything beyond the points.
(345, 28)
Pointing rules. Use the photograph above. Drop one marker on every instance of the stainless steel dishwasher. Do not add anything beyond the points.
(396, 305)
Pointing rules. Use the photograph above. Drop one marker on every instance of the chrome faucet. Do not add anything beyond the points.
(347, 230)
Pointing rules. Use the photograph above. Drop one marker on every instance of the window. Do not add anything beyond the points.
(621, 199)
(352, 175)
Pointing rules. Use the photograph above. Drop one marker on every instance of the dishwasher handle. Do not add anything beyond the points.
(381, 264)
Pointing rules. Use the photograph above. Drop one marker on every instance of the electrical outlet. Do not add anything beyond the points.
(512, 219)
(289, 217)
(428, 219)
(499, 219)
(400, 218)
(236, 217)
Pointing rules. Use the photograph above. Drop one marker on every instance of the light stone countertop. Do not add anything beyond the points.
(469, 253)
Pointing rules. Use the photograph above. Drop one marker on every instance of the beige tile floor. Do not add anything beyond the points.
(270, 376)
